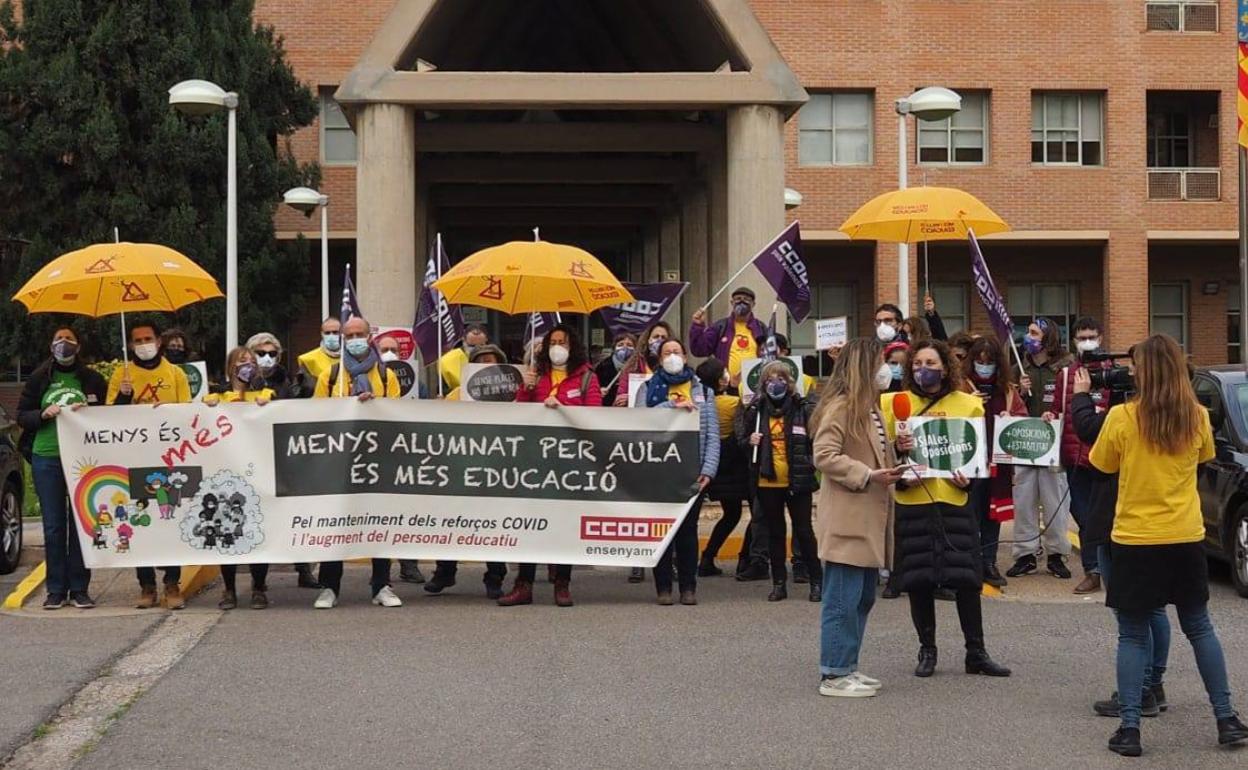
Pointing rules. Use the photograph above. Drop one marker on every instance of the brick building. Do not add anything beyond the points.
(1102, 131)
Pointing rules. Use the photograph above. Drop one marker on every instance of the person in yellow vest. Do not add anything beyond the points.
(453, 360)
(732, 340)
(150, 379)
(362, 374)
(244, 383)
(318, 360)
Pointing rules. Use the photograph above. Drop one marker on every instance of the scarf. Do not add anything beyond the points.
(792, 413)
(359, 371)
(660, 382)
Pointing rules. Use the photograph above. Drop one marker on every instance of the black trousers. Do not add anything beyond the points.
(970, 615)
(685, 547)
(331, 575)
(494, 571)
(771, 502)
(147, 575)
(259, 574)
(725, 526)
(529, 572)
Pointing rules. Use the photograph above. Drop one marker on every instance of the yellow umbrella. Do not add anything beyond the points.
(110, 278)
(533, 276)
(922, 214)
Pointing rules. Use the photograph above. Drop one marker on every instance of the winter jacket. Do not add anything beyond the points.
(579, 388)
(607, 373)
(716, 339)
(29, 404)
(797, 440)
(938, 544)
(708, 428)
(1103, 497)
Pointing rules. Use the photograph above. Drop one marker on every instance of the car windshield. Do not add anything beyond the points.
(1241, 397)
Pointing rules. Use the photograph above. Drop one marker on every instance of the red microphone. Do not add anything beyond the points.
(901, 411)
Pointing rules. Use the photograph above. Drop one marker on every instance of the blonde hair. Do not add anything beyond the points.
(853, 378)
(231, 362)
(1166, 410)
(775, 367)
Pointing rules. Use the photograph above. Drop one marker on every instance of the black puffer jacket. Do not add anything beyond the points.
(938, 545)
(1103, 495)
(797, 440)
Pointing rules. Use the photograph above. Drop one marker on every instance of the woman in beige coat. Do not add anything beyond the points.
(854, 528)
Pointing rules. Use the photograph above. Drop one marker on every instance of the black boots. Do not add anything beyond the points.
(778, 592)
(707, 568)
(927, 662)
(1126, 742)
(978, 662)
(816, 592)
(1231, 731)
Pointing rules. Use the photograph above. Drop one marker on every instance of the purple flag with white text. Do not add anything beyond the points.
(433, 315)
(781, 264)
(651, 303)
(988, 293)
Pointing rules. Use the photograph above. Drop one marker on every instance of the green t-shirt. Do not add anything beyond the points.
(64, 389)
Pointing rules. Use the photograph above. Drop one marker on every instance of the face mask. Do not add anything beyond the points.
(1087, 346)
(331, 342)
(673, 364)
(1033, 345)
(64, 351)
(884, 376)
(742, 309)
(558, 355)
(885, 332)
(777, 389)
(147, 351)
(357, 346)
(266, 360)
(894, 370)
(985, 371)
(389, 355)
(928, 379)
(621, 355)
(656, 345)
(245, 372)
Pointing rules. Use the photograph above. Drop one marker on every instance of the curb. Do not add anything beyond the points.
(28, 586)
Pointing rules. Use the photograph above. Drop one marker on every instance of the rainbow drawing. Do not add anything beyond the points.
(96, 486)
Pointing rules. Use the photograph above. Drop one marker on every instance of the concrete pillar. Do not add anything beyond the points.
(695, 263)
(650, 253)
(1126, 288)
(669, 244)
(717, 235)
(755, 193)
(635, 256)
(386, 214)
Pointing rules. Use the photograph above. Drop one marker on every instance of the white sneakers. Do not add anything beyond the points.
(386, 598)
(326, 599)
(856, 685)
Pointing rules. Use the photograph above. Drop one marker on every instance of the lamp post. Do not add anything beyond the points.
(200, 97)
(933, 103)
(306, 200)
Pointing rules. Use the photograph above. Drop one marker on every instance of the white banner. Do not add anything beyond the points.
(945, 445)
(323, 480)
(1027, 441)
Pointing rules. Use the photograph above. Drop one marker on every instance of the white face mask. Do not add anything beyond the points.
(147, 351)
(673, 364)
(885, 332)
(266, 361)
(883, 377)
(558, 355)
(389, 355)
(1087, 346)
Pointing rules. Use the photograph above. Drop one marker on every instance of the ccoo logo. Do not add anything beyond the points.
(616, 528)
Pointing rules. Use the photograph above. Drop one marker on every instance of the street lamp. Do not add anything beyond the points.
(792, 198)
(306, 200)
(933, 103)
(200, 97)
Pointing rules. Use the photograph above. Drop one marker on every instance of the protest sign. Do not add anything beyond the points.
(323, 480)
(945, 445)
(490, 382)
(831, 333)
(1026, 441)
(408, 366)
(197, 378)
(751, 368)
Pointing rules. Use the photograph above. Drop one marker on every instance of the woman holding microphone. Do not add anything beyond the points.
(854, 532)
(1154, 443)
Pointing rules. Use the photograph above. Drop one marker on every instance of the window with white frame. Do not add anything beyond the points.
(1067, 128)
(1167, 310)
(1234, 345)
(337, 138)
(951, 304)
(960, 138)
(828, 300)
(834, 129)
(1058, 301)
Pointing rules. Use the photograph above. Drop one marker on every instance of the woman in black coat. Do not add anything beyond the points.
(731, 485)
(62, 381)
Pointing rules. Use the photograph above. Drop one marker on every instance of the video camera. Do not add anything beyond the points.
(1116, 378)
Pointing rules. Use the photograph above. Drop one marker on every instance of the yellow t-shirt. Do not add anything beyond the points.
(166, 384)
(230, 396)
(809, 384)
(727, 407)
(391, 389)
(453, 395)
(955, 404)
(1157, 499)
(557, 376)
(742, 348)
(779, 455)
(680, 392)
(450, 364)
(316, 361)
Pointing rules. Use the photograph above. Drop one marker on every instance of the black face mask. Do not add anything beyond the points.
(176, 356)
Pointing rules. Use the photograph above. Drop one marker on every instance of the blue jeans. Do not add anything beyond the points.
(60, 535)
(1135, 650)
(1158, 626)
(848, 596)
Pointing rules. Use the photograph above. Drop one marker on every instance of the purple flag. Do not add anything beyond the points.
(781, 264)
(988, 293)
(433, 315)
(539, 323)
(652, 301)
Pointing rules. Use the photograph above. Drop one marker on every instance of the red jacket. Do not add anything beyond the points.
(1075, 452)
(575, 390)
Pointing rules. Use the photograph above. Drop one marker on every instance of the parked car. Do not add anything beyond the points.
(1223, 482)
(10, 495)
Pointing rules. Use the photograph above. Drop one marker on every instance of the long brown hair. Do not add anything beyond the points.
(853, 376)
(1166, 410)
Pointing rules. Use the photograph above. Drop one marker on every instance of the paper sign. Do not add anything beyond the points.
(945, 445)
(751, 369)
(490, 382)
(831, 332)
(197, 378)
(1027, 441)
(637, 389)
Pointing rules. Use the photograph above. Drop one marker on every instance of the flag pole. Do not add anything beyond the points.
(1242, 152)
(125, 350)
(342, 344)
(437, 270)
(727, 283)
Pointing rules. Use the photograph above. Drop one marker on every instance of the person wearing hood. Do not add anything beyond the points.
(676, 386)
(61, 382)
(732, 340)
(611, 370)
(149, 378)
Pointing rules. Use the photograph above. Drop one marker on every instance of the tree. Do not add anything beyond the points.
(88, 142)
